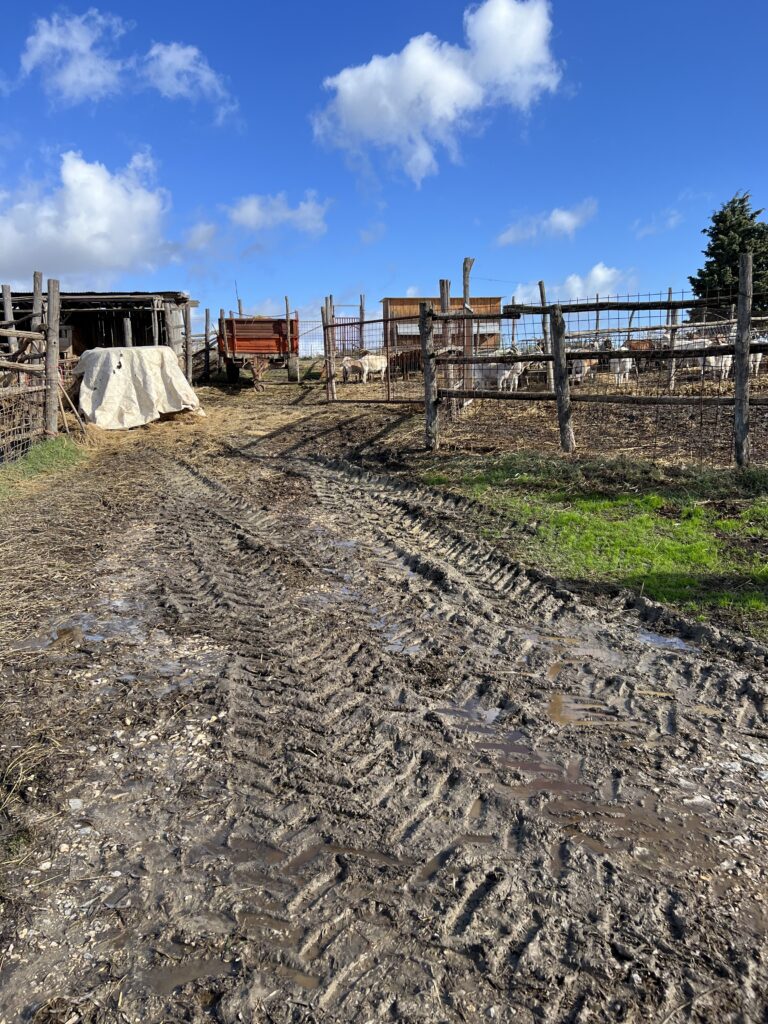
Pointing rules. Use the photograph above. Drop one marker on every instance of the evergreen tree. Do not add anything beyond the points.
(734, 229)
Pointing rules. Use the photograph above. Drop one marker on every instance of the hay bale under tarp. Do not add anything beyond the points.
(130, 387)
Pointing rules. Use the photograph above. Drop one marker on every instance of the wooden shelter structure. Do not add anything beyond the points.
(109, 319)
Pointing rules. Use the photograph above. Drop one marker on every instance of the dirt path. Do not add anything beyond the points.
(293, 744)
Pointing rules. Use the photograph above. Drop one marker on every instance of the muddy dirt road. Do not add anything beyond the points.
(284, 740)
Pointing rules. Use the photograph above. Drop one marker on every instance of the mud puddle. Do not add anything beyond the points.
(165, 980)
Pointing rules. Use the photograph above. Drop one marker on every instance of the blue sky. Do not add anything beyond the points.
(184, 147)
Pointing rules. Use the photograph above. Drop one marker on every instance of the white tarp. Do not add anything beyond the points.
(129, 387)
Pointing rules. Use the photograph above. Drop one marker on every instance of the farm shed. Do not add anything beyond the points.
(108, 319)
(403, 335)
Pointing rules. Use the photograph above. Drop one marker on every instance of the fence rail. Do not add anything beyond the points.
(659, 364)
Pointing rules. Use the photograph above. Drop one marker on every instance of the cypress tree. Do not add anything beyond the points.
(734, 229)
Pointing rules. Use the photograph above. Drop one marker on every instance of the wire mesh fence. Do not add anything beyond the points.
(22, 418)
(648, 375)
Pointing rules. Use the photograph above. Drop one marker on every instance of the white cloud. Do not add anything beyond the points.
(412, 291)
(94, 222)
(182, 72)
(259, 213)
(601, 279)
(373, 233)
(73, 55)
(421, 98)
(667, 220)
(200, 236)
(558, 222)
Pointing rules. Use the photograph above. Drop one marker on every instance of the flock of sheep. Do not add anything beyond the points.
(504, 376)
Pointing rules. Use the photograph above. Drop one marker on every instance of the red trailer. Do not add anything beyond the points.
(258, 342)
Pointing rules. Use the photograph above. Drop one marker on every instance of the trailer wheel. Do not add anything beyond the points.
(233, 372)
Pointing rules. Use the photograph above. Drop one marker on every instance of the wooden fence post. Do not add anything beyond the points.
(37, 306)
(362, 323)
(294, 371)
(52, 360)
(426, 335)
(741, 363)
(562, 386)
(127, 332)
(207, 350)
(671, 325)
(547, 343)
(330, 354)
(155, 324)
(188, 341)
(222, 338)
(469, 262)
(13, 343)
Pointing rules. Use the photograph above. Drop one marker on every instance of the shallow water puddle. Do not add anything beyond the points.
(670, 643)
(165, 980)
(374, 856)
(565, 709)
(306, 981)
(82, 628)
(505, 745)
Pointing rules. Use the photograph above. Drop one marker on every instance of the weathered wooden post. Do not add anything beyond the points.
(37, 306)
(562, 385)
(361, 332)
(293, 360)
(741, 363)
(330, 355)
(426, 335)
(127, 332)
(239, 306)
(207, 349)
(188, 341)
(672, 332)
(52, 360)
(155, 324)
(332, 348)
(547, 343)
(222, 337)
(469, 262)
(13, 343)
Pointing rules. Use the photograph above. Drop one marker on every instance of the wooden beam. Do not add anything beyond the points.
(562, 384)
(207, 350)
(616, 399)
(127, 332)
(52, 360)
(426, 337)
(8, 316)
(545, 333)
(188, 341)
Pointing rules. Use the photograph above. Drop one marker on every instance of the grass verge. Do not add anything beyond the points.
(41, 460)
(694, 539)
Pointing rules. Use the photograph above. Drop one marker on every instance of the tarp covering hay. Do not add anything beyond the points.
(130, 387)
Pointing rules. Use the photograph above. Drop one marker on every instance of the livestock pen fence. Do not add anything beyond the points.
(32, 377)
(664, 377)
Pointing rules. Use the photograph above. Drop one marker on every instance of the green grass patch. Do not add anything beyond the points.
(695, 539)
(41, 460)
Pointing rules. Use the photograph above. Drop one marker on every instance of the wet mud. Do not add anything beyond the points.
(309, 749)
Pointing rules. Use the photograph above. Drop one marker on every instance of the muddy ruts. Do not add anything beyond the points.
(450, 784)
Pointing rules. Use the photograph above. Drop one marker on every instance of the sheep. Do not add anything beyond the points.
(719, 365)
(364, 367)
(621, 370)
(581, 369)
(492, 376)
